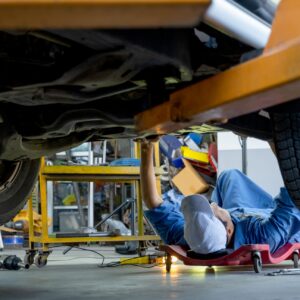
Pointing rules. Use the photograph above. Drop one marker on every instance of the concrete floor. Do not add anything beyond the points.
(77, 276)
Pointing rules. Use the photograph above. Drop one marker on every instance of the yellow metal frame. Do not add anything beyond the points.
(88, 173)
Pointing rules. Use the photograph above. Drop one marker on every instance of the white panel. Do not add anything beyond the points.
(263, 167)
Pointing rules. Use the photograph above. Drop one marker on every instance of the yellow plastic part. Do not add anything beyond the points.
(135, 260)
(23, 216)
(149, 259)
(201, 157)
(69, 200)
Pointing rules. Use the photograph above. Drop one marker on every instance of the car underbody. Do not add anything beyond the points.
(62, 87)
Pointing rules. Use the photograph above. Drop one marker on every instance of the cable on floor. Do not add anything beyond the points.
(115, 263)
(84, 249)
(121, 263)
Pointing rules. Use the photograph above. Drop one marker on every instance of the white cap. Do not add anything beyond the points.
(203, 231)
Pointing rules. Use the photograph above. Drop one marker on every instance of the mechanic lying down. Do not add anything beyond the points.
(240, 213)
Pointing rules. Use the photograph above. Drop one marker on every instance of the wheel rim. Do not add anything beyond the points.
(8, 173)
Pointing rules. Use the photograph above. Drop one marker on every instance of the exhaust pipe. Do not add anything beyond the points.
(237, 22)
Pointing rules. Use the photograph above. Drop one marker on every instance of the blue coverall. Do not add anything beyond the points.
(258, 218)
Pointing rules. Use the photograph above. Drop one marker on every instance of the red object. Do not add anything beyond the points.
(241, 256)
(199, 164)
(203, 168)
(207, 172)
(213, 156)
(208, 169)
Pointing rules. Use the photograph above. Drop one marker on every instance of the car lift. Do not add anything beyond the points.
(268, 80)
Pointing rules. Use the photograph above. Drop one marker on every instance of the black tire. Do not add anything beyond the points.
(257, 264)
(168, 262)
(286, 130)
(295, 260)
(29, 259)
(41, 260)
(17, 180)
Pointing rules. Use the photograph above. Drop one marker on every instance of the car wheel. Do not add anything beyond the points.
(17, 180)
(286, 130)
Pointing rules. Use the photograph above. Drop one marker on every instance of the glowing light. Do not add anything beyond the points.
(174, 259)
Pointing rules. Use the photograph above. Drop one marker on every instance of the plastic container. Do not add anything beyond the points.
(170, 146)
(194, 155)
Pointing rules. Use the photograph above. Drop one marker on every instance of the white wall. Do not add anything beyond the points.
(262, 165)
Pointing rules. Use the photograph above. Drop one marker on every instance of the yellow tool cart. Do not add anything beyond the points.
(84, 173)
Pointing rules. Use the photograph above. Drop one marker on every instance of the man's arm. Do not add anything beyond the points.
(163, 215)
(148, 182)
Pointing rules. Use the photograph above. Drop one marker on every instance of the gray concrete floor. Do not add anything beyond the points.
(77, 276)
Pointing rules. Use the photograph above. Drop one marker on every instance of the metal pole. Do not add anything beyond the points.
(50, 196)
(132, 217)
(44, 208)
(114, 212)
(91, 192)
(244, 155)
(133, 194)
(1, 242)
(232, 19)
(77, 194)
(30, 219)
(111, 197)
(104, 152)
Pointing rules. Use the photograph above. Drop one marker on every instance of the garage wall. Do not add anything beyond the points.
(263, 167)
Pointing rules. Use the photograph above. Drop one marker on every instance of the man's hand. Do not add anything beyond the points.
(148, 139)
(146, 146)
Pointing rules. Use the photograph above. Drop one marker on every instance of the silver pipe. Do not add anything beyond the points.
(91, 191)
(237, 22)
(76, 193)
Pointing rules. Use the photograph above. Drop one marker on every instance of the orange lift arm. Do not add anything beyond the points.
(270, 79)
(66, 14)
